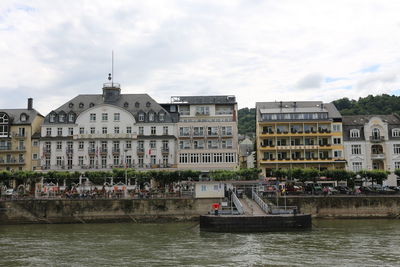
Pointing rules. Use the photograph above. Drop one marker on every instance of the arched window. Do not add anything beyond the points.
(354, 133)
(376, 134)
(126, 104)
(81, 105)
(23, 117)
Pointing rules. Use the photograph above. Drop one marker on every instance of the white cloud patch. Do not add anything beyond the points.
(256, 50)
(313, 80)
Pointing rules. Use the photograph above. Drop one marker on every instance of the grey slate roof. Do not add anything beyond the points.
(297, 106)
(217, 99)
(358, 122)
(74, 105)
(15, 115)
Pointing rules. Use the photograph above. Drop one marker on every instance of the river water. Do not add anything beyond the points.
(330, 243)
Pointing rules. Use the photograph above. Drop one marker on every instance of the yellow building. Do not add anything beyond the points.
(298, 135)
(19, 150)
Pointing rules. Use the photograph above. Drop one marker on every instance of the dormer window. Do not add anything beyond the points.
(23, 117)
(71, 105)
(3, 125)
(61, 118)
(151, 116)
(126, 105)
(91, 105)
(81, 105)
(396, 132)
(137, 105)
(355, 133)
(148, 104)
(71, 117)
(141, 116)
(52, 117)
(161, 116)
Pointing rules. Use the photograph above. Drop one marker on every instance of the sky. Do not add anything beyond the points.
(257, 50)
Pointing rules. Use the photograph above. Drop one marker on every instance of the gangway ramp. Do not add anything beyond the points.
(250, 207)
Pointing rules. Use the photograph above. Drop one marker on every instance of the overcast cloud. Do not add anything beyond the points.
(256, 50)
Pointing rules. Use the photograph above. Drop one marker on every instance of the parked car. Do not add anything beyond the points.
(313, 189)
(343, 190)
(387, 191)
(368, 190)
(10, 192)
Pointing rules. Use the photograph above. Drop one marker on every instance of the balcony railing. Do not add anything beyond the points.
(5, 148)
(140, 150)
(91, 150)
(376, 139)
(378, 156)
(116, 150)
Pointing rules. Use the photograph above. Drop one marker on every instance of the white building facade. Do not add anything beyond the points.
(207, 133)
(372, 142)
(108, 131)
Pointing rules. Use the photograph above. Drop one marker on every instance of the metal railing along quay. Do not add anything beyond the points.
(264, 206)
(237, 203)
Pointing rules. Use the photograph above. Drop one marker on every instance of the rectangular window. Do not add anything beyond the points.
(203, 188)
(116, 160)
(194, 158)
(198, 131)
(141, 117)
(165, 130)
(165, 161)
(92, 130)
(35, 143)
(230, 157)
(396, 148)
(336, 128)
(80, 161)
(153, 130)
(184, 131)
(397, 165)
(198, 144)
(357, 166)
(165, 146)
(59, 161)
(59, 131)
(116, 116)
(128, 144)
(81, 130)
(48, 131)
(213, 144)
(153, 160)
(141, 130)
(184, 144)
(104, 116)
(212, 131)
(202, 110)
(183, 158)
(91, 162)
(104, 162)
(356, 149)
(152, 144)
(80, 145)
(128, 161)
(104, 130)
(140, 162)
(337, 141)
(92, 117)
(128, 129)
(59, 145)
(116, 130)
(226, 143)
(217, 157)
(35, 156)
(206, 158)
(70, 131)
(226, 130)
(337, 153)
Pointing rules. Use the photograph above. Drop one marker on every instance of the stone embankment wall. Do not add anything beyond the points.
(107, 210)
(346, 206)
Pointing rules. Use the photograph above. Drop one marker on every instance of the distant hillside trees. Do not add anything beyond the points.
(247, 121)
(379, 105)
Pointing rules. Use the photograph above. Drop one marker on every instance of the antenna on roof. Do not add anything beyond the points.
(111, 75)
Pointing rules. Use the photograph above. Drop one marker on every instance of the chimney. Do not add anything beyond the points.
(30, 103)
